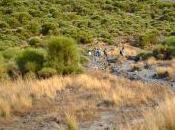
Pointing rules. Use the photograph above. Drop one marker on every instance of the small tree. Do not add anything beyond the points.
(63, 54)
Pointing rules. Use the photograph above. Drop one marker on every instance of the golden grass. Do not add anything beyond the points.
(71, 122)
(18, 96)
(152, 61)
(162, 118)
(168, 71)
(131, 50)
(137, 66)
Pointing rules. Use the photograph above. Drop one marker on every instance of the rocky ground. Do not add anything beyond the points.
(122, 66)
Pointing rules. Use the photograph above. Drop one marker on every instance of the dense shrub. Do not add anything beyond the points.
(34, 26)
(143, 56)
(84, 37)
(170, 41)
(30, 75)
(12, 70)
(2, 64)
(63, 54)
(3, 68)
(166, 50)
(47, 72)
(35, 41)
(5, 45)
(123, 17)
(31, 60)
(47, 28)
(22, 17)
(148, 39)
(11, 53)
(3, 25)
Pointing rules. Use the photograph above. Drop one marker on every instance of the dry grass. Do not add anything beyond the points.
(71, 122)
(20, 95)
(152, 61)
(131, 50)
(137, 66)
(166, 72)
(162, 118)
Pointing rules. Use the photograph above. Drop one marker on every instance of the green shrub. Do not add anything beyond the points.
(83, 19)
(30, 75)
(22, 17)
(31, 60)
(144, 55)
(148, 39)
(84, 37)
(163, 52)
(11, 52)
(63, 54)
(47, 72)
(3, 25)
(35, 13)
(3, 68)
(47, 28)
(12, 70)
(170, 41)
(34, 26)
(5, 44)
(2, 64)
(35, 41)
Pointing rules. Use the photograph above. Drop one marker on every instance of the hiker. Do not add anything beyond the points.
(97, 52)
(122, 51)
(94, 51)
(89, 53)
(105, 52)
(100, 52)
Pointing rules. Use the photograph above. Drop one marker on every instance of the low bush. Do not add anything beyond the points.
(3, 25)
(12, 70)
(164, 52)
(170, 41)
(47, 72)
(84, 37)
(22, 17)
(31, 60)
(63, 54)
(30, 75)
(143, 56)
(11, 52)
(34, 26)
(148, 39)
(35, 41)
(47, 28)
(3, 69)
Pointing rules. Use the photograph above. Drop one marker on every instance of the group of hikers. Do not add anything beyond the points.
(98, 52)
(100, 56)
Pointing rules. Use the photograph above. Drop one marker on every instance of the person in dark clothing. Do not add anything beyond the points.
(122, 53)
(97, 53)
(105, 52)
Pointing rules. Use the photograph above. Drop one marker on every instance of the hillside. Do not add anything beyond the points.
(87, 64)
(83, 19)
